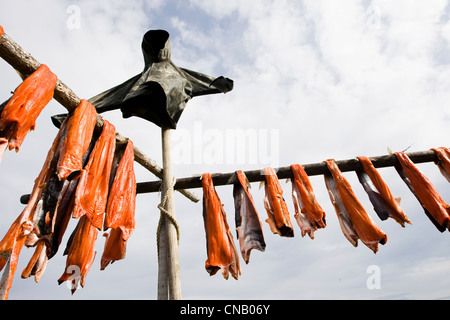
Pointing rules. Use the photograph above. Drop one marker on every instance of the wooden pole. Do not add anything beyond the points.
(169, 284)
(313, 169)
(26, 64)
(169, 271)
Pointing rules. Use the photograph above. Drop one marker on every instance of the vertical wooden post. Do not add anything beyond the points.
(169, 284)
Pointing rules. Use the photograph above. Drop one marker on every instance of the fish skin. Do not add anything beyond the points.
(80, 252)
(122, 196)
(344, 220)
(120, 212)
(379, 205)
(275, 205)
(380, 195)
(24, 226)
(222, 253)
(10, 248)
(443, 163)
(52, 213)
(64, 190)
(49, 202)
(309, 214)
(19, 115)
(80, 128)
(38, 262)
(405, 179)
(369, 233)
(40, 266)
(248, 225)
(92, 192)
(62, 217)
(114, 249)
(45, 208)
(426, 193)
(303, 222)
(45, 215)
(3, 146)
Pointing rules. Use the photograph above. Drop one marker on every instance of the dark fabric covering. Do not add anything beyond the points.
(159, 94)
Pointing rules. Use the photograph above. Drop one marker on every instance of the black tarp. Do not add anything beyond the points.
(160, 92)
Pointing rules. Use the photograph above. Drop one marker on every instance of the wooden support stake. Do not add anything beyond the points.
(169, 284)
(26, 64)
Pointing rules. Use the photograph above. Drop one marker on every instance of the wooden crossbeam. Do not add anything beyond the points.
(221, 179)
(26, 64)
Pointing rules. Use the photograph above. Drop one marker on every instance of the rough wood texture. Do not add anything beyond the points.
(169, 281)
(26, 64)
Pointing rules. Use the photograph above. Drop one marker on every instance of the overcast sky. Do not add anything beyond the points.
(313, 80)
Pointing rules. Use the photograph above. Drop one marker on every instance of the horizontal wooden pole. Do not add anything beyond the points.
(220, 179)
(26, 64)
(313, 169)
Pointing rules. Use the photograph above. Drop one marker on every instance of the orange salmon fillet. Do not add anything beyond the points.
(222, 253)
(395, 210)
(92, 192)
(425, 191)
(80, 253)
(80, 127)
(29, 99)
(276, 207)
(443, 163)
(366, 229)
(308, 213)
(120, 209)
(16, 236)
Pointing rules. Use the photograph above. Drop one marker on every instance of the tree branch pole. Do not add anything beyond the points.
(221, 179)
(169, 284)
(25, 64)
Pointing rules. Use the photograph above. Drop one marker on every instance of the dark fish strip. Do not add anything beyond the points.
(379, 205)
(248, 225)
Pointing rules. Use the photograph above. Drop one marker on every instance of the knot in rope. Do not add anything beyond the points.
(167, 214)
